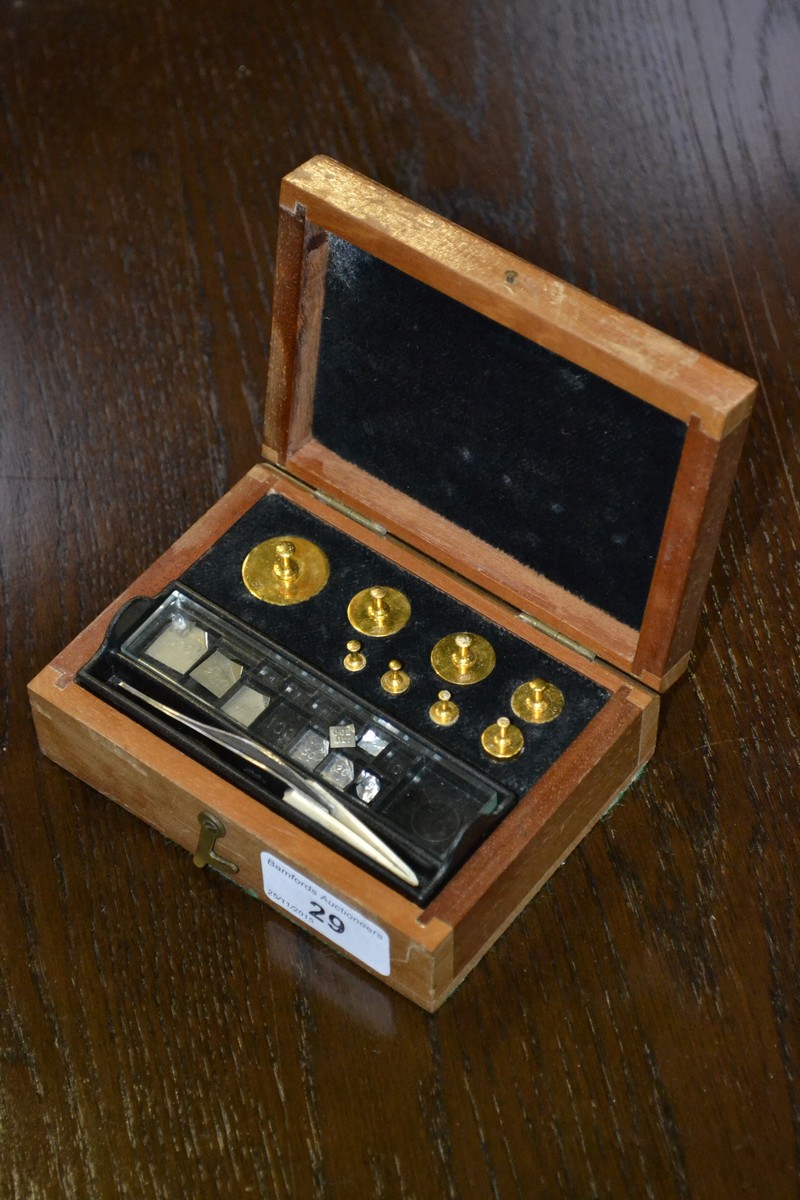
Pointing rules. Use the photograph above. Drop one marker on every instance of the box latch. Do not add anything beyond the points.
(211, 828)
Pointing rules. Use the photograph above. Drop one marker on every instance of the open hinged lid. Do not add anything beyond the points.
(555, 451)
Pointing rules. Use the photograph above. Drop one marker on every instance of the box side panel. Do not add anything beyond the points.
(686, 556)
(284, 333)
(161, 786)
(536, 838)
(294, 340)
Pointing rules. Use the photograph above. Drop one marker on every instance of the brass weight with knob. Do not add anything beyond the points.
(378, 611)
(285, 570)
(463, 658)
(537, 702)
(444, 711)
(502, 739)
(395, 681)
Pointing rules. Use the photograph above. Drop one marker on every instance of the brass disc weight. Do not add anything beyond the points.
(444, 711)
(463, 658)
(378, 611)
(285, 570)
(537, 702)
(502, 740)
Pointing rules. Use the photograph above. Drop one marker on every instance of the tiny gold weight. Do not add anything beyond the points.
(444, 711)
(354, 660)
(502, 739)
(395, 680)
(378, 611)
(537, 702)
(463, 658)
(285, 570)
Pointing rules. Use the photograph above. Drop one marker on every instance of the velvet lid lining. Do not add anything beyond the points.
(538, 457)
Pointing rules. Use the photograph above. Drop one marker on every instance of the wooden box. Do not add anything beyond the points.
(512, 445)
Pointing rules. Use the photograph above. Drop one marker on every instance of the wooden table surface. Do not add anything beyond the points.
(635, 1032)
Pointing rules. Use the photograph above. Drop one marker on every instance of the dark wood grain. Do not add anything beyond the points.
(635, 1032)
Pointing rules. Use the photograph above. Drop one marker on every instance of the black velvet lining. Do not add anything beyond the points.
(317, 632)
(544, 460)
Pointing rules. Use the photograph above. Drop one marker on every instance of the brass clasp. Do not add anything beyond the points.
(211, 828)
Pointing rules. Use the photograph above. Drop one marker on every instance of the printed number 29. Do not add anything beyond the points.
(319, 914)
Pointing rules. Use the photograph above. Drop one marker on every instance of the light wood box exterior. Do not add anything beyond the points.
(432, 948)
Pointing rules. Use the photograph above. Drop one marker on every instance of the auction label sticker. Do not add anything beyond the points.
(334, 919)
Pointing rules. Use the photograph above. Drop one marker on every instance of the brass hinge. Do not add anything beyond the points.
(345, 509)
(350, 512)
(562, 638)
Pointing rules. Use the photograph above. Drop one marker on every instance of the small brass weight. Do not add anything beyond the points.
(537, 702)
(285, 570)
(444, 711)
(502, 739)
(378, 611)
(463, 658)
(395, 680)
(354, 660)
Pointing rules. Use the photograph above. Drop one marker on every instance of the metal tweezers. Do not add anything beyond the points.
(305, 795)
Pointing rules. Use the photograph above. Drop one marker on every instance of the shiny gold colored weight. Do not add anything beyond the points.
(463, 658)
(378, 611)
(444, 711)
(354, 660)
(537, 702)
(285, 570)
(502, 739)
(395, 680)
